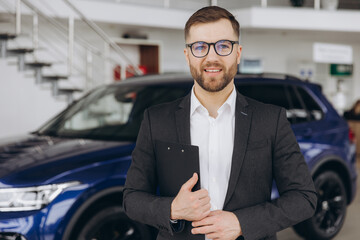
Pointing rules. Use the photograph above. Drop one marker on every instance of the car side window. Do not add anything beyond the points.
(276, 94)
(298, 112)
(151, 96)
(267, 93)
(300, 106)
(314, 111)
(154, 95)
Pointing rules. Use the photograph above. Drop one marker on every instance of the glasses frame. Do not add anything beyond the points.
(209, 46)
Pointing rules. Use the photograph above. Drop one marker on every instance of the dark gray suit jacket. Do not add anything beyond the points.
(265, 149)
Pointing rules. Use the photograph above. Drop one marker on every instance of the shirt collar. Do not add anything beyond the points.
(197, 106)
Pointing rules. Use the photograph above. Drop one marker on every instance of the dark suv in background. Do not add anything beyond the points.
(65, 181)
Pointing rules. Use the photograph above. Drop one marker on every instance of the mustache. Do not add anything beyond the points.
(211, 64)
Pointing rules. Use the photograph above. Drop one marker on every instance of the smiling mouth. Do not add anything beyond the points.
(212, 70)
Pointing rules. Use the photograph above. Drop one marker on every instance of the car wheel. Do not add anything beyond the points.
(111, 223)
(331, 209)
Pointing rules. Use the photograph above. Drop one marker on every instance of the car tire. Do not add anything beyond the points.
(331, 209)
(111, 223)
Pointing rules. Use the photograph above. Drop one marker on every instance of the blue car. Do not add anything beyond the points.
(65, 180)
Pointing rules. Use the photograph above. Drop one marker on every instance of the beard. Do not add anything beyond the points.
(214, 84)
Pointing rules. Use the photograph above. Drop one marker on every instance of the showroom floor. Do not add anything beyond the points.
(351, 228)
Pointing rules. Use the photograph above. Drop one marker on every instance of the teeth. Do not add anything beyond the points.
(211, 70)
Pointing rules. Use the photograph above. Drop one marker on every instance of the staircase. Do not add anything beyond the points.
(39, 77)
(36, 67)
(24, 106)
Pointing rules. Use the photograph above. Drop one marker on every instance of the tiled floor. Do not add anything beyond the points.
(351, 228)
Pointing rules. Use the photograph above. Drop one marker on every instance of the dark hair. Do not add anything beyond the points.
(211, 14)
(355, 108)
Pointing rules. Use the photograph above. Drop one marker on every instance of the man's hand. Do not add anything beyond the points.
(218, 225)
(190, 206)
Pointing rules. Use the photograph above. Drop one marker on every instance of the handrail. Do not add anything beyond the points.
(63, 31)
(18, 17)
(60, 28)
(103, 35)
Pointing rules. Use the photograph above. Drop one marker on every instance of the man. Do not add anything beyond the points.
(238, 146)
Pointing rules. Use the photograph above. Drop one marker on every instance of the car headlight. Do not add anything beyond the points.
(30, 198)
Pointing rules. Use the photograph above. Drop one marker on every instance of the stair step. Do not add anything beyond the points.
(38, 64)
(20, 50)
(20, 53)
(54, 77)
(69, 90)
(7, 36)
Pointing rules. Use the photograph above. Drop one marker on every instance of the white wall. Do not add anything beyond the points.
(24, 106)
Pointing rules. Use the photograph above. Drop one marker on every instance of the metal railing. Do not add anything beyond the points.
(74, 42)
(103, 35)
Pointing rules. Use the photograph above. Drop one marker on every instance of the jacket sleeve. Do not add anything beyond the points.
(140, 200)
(297, 201)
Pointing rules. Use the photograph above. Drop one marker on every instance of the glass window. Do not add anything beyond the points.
(300, 106)
(314, 110)
(297, 112)
(112, 113)
(266, 93)
(104, 111)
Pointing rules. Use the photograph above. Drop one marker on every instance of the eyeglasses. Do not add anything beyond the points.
(222, 48)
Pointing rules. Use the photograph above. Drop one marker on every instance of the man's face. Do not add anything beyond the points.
(213, 72)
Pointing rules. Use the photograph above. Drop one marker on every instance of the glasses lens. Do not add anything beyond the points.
(223, 47)
(200, 49)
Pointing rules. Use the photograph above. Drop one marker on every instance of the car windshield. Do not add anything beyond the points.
(103, 114)
(110, 113)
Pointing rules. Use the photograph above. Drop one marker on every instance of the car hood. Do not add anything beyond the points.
(34, 158)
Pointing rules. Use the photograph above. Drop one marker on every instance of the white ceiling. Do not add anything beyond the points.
(196, 4)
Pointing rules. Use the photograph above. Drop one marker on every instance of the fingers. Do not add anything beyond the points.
(204, 222)
(202, 193)
(215, 212)
(200, 209)
(204, 207)
(190, 205)
(218, 225)
(202, 230)
(203, 201)
(208, 231)
(208, 218)
(205, 211)
(191, 182)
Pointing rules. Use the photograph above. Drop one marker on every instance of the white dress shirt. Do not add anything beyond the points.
(215, 139)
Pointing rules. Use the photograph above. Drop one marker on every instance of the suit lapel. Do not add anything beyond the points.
(242, 128)
(182, 118)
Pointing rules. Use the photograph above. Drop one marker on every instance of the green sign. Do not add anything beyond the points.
(341, 69)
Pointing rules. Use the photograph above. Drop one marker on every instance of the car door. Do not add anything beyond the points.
(302, 111)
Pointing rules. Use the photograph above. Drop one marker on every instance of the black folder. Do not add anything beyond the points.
(175, 164)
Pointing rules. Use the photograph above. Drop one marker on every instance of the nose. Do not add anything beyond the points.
(212, 53)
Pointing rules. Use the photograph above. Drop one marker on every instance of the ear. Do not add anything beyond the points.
(186, 53)
(238, 53)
